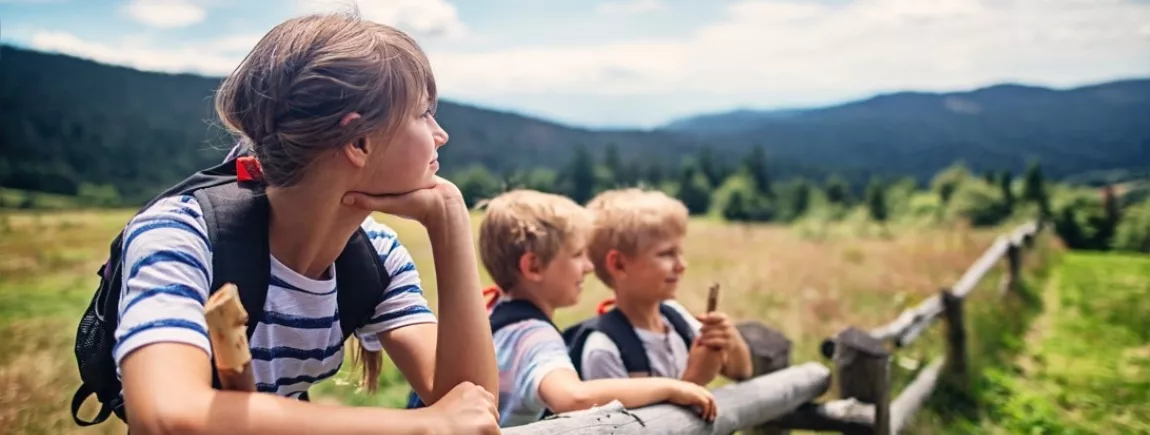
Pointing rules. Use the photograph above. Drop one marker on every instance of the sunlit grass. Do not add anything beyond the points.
(806, 286)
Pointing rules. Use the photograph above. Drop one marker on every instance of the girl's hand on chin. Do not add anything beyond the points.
(426, 205)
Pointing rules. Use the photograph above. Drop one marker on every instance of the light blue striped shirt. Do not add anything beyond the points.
(168, 270)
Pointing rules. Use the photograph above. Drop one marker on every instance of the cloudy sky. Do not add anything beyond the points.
(641, 63)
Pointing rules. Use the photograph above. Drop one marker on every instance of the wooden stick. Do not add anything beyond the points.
(713, 298)
(227, 329)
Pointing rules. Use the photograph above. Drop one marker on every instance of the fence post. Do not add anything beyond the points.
(955, 337)
(1013, 268)
(862, 366)
(770, 352)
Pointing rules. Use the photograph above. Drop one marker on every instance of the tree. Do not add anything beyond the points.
(948, 180)
(694, 190)
(477, 184)
(837, 190)
(613, 163)
(714, 172)
(1004, 182)
(876, 201)
(580, 176)
(1034, 188)
(654, 173)
(756, 164)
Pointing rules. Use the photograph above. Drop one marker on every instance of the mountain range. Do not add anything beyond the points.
(68, 121)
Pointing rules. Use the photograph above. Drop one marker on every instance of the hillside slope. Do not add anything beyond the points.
(1098, 127)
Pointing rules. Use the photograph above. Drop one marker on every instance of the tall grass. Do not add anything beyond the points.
(807, 287)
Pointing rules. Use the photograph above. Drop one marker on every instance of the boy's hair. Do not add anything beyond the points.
(287, 97)
(629, 221)
(522, 221)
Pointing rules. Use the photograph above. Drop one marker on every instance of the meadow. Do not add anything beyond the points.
(807, 285)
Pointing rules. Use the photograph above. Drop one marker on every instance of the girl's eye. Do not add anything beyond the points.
(427, 113)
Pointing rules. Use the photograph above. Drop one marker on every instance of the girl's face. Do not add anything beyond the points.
(409, 159)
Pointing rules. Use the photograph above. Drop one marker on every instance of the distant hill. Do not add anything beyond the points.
(72, 125)
(68, 121)
(1098, 127)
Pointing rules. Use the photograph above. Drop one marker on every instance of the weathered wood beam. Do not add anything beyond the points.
(974, 274)
(770, 352)
(741, 405)
(846, 415)
(914, 395)
(862, 366)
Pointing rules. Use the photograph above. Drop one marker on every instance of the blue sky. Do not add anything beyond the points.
(642, 63)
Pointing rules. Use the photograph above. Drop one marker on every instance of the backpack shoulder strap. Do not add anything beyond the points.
(514, 311)
(679, 323)
(236, 215)
(616, 326)
(361, 280)
(575, 336)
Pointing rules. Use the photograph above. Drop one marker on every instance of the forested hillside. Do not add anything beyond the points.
(72, 126)
(1098, 127)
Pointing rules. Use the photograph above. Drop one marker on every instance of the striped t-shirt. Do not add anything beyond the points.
(526, 352)
(167, 260)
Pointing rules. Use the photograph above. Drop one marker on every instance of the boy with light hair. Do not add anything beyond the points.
(533, 246)
(636, 246)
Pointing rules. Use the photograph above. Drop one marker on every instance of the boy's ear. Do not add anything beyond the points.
(614, 262)
(529, 267)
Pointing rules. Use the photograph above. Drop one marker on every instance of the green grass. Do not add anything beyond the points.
(1083, 366)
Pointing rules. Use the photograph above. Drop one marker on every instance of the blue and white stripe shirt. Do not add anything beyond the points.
(167, 273)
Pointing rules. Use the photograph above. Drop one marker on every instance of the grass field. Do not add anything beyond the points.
(1085, 364)
(807, 288)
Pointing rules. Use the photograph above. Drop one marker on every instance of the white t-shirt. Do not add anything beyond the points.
(667, 352)
(167, 261)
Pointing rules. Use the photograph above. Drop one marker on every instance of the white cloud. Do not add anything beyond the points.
(846, 48)
(628, 7)
(206, 59)
(428, 18)
(165, 14)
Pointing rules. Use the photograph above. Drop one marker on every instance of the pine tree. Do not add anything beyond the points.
(581, 176)
(756, 164)
(876, 201)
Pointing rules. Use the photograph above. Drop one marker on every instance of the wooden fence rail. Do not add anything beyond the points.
(780, 396)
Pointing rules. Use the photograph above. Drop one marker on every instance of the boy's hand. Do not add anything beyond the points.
(426, 206)
(717, 331)
(688, 394)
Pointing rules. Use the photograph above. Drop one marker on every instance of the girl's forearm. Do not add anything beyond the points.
(464, 351)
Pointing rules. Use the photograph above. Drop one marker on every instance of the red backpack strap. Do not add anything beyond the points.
(491, 294)
(605, 305)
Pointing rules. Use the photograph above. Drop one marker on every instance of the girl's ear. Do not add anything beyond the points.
(530, 268)
(356, 151)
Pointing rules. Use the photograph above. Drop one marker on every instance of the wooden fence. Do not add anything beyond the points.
(781, 396)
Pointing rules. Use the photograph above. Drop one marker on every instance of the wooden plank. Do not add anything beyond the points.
(914, 395)
(770, 352)
(955, 336)
(741, 405)
(980, 267)
(862, 366)
(846, 415)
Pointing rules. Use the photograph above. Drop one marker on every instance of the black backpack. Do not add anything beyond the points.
(617, 328)
(504, 313)
(236, 213)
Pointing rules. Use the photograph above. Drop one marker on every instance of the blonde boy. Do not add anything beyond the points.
(636, 245)
(532, 244)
